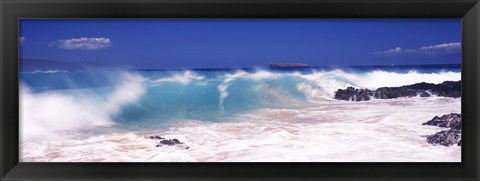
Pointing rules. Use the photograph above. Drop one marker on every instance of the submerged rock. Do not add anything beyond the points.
(446, 137)
(167, 142)
(156, 137)
(170, 142)
(445, 89)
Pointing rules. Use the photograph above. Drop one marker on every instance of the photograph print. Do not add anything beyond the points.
(240, 90)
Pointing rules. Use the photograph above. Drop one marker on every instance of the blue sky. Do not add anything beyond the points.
(230, 43)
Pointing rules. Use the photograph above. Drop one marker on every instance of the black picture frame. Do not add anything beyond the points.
(12, 10)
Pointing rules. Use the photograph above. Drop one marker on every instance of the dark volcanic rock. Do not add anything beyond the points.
(155, 137)
(424, 94)
(453, 121)
(394, 92)
(445, 89)
(445, 138)
(352, 94)
(170, 142)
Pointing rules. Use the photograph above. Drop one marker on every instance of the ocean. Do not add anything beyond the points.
(231, 115)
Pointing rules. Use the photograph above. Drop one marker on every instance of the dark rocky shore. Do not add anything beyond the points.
(445, 89)
(446, 137)
(452, 89)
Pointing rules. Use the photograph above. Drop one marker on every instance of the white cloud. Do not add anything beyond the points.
(443, 48)
(21, 40)
(83, 43)
(393, 51)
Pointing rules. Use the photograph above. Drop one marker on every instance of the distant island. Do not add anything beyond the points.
(288, 65)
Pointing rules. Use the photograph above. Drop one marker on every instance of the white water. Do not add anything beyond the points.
(47, 115)
(334, 131)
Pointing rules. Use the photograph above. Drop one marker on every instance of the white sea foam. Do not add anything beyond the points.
(222, 88)
(184, 78)
(48, 115)
(376, 79)
(128, 91)
(334, 131)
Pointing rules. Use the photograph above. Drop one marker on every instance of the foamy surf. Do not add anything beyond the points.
(374, 131)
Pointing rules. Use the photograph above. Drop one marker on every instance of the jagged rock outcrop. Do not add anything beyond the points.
(445, 89)
(352, 94)
(452, 120)
(446, 137)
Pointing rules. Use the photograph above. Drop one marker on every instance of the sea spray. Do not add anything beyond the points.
(48, 114)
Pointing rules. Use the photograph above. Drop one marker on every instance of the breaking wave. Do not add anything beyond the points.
(66, 101)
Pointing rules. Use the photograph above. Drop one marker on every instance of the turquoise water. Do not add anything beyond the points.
(156, 98)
